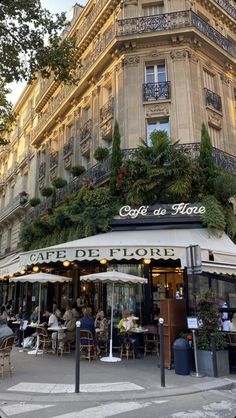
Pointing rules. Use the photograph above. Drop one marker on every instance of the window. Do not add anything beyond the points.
(155, 73)
(155, 125)
(9, 235)
(215, 137)
(151, 10)
(209, 80)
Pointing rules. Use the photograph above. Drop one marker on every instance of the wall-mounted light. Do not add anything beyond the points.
(11, 275)
(66, 263)
(103, 261)
(83, 288)
(147, 261)
(35, 269)
(22, 272)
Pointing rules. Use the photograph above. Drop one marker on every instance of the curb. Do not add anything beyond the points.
(110, 396)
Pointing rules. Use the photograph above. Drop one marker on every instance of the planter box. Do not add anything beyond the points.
(205, 362)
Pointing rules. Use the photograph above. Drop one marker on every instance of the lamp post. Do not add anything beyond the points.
(77, 358)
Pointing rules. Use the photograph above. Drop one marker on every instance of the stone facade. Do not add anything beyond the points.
(167, 64)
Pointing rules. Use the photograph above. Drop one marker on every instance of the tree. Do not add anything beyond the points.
(31, 43)
(116, 159)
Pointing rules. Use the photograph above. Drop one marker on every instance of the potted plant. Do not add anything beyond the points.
(35, 201)
(101, 153)
(77, 170)
(58, 182)
(208, 314)
(46, 191)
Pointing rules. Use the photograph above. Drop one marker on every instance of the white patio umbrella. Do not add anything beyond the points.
(118, 278)
(40, 278)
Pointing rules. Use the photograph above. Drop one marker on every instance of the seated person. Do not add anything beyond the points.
(68, 336)
(52, 319)
(56, 311)
(87, 322)
(68, 309)
(35, 315)
(5, 330)
(233, 323)
(101, 328)
(125, 326)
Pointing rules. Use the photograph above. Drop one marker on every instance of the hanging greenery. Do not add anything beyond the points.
(116, 159)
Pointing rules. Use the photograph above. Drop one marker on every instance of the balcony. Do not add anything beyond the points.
(68, 147)
(28, 117)
(231, 10)
(17, 203)
(173, 21)
(213, 100)
(86, 130)
(42, 170)
(107, 111)
(53, 160)
(156, 91)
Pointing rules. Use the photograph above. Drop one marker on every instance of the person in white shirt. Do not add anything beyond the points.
(52, 319)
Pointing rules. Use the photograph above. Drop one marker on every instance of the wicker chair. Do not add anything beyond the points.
(5, 353)
(44, 341)
(88, 348)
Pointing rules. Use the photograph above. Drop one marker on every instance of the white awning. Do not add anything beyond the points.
(127, 245)
(10, 265)
(219, 268)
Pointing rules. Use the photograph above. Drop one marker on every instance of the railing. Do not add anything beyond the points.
(67, 90)
(107, 111)
(156, 91)
(28, 117)
(42, 169)
(231, 10)
(213, 100)
(20, 201)
(4, 148)
(88, 22)
(86, 130)
(175, 20)
(53, 160)
(68, 146)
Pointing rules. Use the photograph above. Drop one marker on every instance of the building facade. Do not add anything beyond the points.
(167, 64)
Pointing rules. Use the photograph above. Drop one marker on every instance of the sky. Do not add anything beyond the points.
(54, 6)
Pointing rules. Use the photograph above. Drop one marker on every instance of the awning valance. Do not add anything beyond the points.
(118, 245)
(219, 268)
(10, 265)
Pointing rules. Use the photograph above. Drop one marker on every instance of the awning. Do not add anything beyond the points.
(219, 268)
(10, 265)
(118, 245)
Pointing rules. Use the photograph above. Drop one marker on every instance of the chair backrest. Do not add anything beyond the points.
(7, 342)
(41, 331)
(151, 329)
(24, 325)
(86, 337)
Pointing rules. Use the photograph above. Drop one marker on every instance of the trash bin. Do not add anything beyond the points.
(182, 356)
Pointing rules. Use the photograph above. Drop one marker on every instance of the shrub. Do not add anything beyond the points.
(58, 182)
(101, 153)
(46, 191)
(35, 201)
(77, 170)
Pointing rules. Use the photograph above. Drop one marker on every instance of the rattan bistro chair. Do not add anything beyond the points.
(5, 353)
(45, 342)
(88, 348)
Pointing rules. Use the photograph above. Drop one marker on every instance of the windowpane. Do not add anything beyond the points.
(150, 75)
(156, 73)
(162, 124)
(153, 10)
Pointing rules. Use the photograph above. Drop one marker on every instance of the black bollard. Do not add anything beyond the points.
(213, 353)
(162, 360)
(77, 357)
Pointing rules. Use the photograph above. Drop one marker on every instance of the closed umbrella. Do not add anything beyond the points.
(113, 277)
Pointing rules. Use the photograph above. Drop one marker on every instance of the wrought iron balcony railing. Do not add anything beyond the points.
(231, 10)
(156, 91)
(175, 20)
(68, 147)
(18, 202)
(107, 111)
(212, 99)
(42, 169)
(53, 161)
(86, 130)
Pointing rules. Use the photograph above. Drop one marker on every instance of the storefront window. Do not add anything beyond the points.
(126, 297)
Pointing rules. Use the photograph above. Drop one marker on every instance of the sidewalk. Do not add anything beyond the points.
(48, 377)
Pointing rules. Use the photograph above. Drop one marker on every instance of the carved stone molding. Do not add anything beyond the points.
(179, 55)
(214, 119)
(131, 61)
(225, 79)
(160, 109)
(129, 3)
